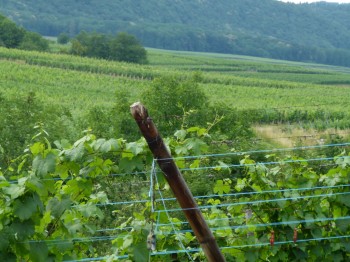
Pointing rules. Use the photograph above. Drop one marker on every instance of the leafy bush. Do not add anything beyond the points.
(34, 41)
(19, 115)
(63, 38)
(169, 98)
(122, 47)
(12, 36)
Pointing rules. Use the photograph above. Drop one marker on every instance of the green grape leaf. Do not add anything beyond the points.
(316, 233)
(135, 148)
(43, 166)
(76, 153)
(337, 212)
(181, 150)
(38, 252)
(195, 164)
(35, 184)
(193, 129)
(180, 162)
(252, 256)
(3, 182)
(21, 230)
(128, 240)
(25, 208)
(98, 143)
(105, 146)
(241, 183)
(57, 207)
(37, 148)
(344, 199)
(197, 145)
(65, 246)
(90, 210)
(44, 221)
(140, 252)
(220, 187)
(128, 165)
(14, 191)
(180, 134)
(72, 223)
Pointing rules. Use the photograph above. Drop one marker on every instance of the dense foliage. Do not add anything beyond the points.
(12, 36)
(67, 202)
(309, 32)
(19, 115)
(122, 47)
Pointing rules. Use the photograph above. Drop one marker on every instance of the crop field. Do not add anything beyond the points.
(277, 90)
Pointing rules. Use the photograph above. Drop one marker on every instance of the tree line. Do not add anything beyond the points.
(121, 47)
(267, 28)
(13, 36)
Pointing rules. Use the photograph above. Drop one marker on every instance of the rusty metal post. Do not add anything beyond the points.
(177, 183)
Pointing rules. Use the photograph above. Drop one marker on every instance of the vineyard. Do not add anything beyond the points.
(67, 194)
(280, 90)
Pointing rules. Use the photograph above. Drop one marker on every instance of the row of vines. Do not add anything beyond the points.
(90, 201)
(78, 83)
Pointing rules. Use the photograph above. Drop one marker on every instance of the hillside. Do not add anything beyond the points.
(309, 32)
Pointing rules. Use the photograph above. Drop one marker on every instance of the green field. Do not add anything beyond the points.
(283, 91)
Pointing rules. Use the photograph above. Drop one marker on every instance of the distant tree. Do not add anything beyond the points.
(34, 41)
(13, 36)
(78, 48)
(91, 45)
(170, 97)
(126, 47)
(98, 46)
(10, 34)
(63, 38)
(122, 47)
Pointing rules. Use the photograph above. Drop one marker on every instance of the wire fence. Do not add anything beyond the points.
(161, 203)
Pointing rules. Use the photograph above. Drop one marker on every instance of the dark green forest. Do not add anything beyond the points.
(13, 36)
(317, 32)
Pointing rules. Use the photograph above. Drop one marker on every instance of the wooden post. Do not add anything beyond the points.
(177, 183)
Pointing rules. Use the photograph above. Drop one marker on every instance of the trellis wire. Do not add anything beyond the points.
(169, 218)
(224, 155)
(227, 195)
(265, 151)
(187, 251)
(193, 250)
(256, 202)
(285, 223)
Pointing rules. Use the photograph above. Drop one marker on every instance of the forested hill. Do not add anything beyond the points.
(317, 32)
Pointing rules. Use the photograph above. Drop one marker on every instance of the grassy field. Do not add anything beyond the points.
(315, 95)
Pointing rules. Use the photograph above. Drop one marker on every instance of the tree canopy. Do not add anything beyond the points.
(13, 36)
(122, 47)
(318, 32)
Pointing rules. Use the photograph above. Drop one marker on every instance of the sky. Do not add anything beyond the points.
(312, 1)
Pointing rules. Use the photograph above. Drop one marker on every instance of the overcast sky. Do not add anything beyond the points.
(311, 1)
